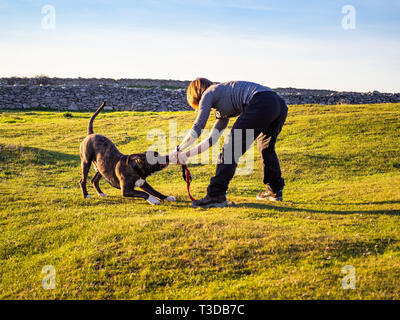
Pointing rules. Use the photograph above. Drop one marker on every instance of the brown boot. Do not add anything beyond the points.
(270, 195)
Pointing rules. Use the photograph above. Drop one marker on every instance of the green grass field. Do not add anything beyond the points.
(342, 205)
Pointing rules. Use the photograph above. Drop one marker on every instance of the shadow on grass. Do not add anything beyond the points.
(120, 200)
(19, 155)
(354, 203)
(338, 249)
(291, 209)
(41, 111)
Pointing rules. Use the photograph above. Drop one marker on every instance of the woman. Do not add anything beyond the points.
(260, 109)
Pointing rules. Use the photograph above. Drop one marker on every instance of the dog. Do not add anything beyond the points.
(124, 172)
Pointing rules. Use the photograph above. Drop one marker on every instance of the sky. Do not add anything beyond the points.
(286, 43)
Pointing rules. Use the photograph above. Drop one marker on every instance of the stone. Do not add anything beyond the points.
(162, 108)
(73, 107)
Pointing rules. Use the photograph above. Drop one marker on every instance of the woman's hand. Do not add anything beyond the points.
(173, 157)
(176, 157)
(182, 158)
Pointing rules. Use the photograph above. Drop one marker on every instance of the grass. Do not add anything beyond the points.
(342, 205)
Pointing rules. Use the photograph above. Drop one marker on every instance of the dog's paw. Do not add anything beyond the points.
(102, 195)
(88, 197)
(153, 200)
(170, 199)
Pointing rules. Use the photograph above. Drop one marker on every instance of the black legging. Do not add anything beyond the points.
(265, 114)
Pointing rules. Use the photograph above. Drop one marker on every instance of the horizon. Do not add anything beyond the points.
(281, 44)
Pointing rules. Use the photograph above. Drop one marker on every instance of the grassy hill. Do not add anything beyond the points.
(342, 206)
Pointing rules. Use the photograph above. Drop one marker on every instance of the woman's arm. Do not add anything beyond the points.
(200, 122)
(188, 140)
(213, 137)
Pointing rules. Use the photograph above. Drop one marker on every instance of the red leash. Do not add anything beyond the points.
(188, 179)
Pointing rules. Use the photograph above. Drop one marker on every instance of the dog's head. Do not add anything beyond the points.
(148, 163)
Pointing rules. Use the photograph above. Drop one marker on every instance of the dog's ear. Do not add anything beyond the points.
(134, 158)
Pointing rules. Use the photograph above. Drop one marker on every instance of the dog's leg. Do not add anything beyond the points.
(95, 183)
(85, 166)
(149, 189)
(128, 191)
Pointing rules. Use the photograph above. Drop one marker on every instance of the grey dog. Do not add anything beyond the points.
(124, 172)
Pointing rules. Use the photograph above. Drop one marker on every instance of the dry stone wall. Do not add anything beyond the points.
(143, 94)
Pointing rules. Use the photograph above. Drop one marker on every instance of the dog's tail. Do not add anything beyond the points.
(90, 127)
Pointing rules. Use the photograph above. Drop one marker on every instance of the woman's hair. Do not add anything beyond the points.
(195, 91)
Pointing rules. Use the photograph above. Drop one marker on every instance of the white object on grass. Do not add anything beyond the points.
(153, 200)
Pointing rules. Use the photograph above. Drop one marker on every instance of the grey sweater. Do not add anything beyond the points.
(227, 100)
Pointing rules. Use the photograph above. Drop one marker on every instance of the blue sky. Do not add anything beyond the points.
(283, 43)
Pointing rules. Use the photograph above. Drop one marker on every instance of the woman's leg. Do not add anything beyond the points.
(229, 158)
(261, 112)
(266, 145)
